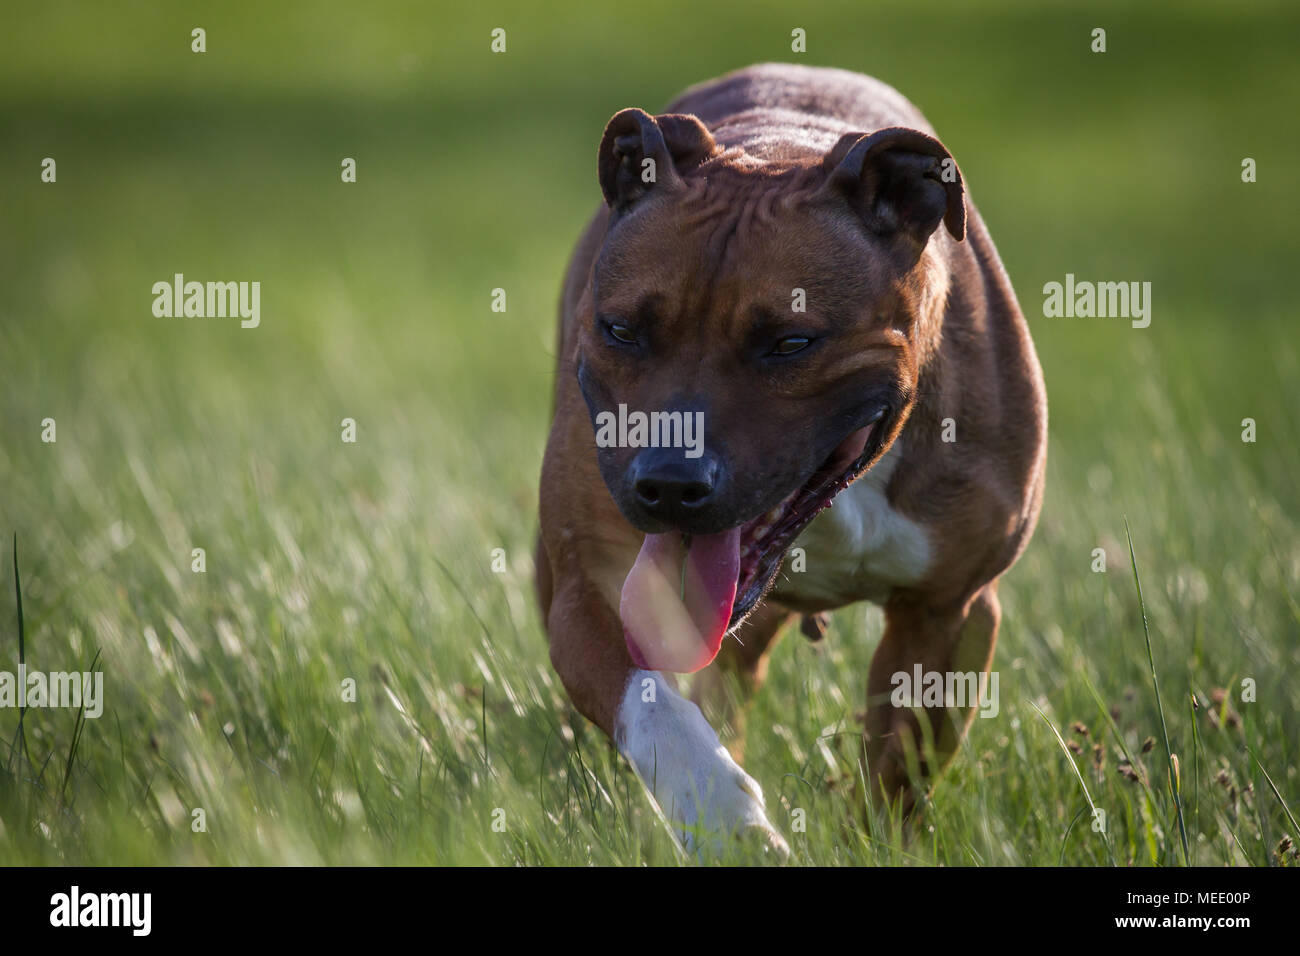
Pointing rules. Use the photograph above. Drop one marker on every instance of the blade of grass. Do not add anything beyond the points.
(1196, 764)
(1075, 767)
(1295, 827)
(1155, 683)
(20, 736)
(78, 729)
(1119, 738)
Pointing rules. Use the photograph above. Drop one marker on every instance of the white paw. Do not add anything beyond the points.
(702, 791)
(731, 806)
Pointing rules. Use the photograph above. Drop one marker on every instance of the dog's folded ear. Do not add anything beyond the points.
(901, 180)
(640, 152)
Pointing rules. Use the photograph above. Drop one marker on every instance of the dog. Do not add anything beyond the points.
(787, 257)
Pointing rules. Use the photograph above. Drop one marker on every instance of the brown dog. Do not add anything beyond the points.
(787, 298)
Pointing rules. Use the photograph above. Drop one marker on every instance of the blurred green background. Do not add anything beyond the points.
(371, 561)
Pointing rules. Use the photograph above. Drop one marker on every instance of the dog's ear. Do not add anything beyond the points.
(900, 180)
(640, 152)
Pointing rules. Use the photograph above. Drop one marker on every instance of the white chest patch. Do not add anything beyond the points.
(859, 548)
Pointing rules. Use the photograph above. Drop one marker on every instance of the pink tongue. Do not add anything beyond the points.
(676, 603)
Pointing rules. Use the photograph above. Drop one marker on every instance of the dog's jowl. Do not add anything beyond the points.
(788, 257)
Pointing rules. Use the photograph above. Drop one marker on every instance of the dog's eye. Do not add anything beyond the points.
(791, 344)
(621, 333)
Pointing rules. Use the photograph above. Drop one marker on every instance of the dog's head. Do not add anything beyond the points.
(785, 306)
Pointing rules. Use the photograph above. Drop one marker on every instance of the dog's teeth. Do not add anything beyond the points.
(772, 516)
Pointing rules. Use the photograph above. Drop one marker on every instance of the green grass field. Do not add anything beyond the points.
(371, 561)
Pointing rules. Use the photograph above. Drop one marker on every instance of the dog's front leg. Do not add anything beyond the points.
(952, 646)
(704, 794)
(701, 789)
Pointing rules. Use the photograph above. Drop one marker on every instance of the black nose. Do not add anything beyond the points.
(671, 487)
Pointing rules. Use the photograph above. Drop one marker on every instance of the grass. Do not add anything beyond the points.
(373, 562)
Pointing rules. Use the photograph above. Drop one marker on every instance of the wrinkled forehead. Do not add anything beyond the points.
(699, 252)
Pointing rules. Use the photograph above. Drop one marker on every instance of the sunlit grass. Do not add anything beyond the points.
(372, 562)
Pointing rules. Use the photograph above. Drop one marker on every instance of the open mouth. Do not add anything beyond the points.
(763, 540)
(685, 593)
